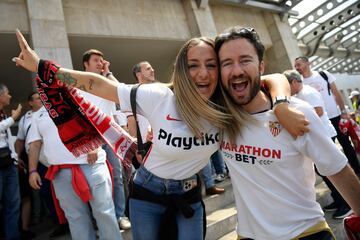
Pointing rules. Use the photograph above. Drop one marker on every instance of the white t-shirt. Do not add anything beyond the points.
(43, 128)
(318, 82)
(144, 124)
(24, 128)
(120, 118)
(176, 153)
(108, 107)
(273, 175)
(313, 97)
(6, 138)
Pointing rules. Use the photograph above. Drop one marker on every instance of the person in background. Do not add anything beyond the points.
(93, 61)
(355, 100)
(313, 97)
(324, 82)
(144, 74)
(68, 174)
(9, 178)
(22, 148)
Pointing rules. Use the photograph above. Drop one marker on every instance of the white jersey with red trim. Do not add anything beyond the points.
(176, 153)
(273, 176)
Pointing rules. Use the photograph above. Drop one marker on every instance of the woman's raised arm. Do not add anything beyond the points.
(87, 81)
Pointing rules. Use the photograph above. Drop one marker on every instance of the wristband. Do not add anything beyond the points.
(108, 74)
(32, 171)
(281, 99)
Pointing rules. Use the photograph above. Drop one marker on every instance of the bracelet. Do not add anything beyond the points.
(32, 171)
(108, 74)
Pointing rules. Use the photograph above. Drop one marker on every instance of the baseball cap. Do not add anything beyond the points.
(354, 93)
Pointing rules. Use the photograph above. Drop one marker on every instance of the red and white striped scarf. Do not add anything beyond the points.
(82, 126)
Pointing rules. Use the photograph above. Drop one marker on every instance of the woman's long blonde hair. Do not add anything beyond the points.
(191, 105)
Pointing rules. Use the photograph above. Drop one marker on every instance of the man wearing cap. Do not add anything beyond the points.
(355, 100)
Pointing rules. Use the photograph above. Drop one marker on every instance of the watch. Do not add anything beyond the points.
(281, 99)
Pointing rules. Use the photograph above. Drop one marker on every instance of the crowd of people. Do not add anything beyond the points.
(217, 116)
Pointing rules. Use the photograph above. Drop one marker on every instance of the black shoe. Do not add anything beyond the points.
(60, 230)
(27, 235)
(331, 207)
(343, 211)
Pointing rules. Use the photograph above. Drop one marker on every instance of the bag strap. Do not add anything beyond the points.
(324, 76)
(133, 109)
(27, 131)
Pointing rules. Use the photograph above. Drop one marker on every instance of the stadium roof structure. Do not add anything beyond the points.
(328, 31)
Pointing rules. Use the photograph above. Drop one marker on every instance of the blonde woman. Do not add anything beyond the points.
(186, 125)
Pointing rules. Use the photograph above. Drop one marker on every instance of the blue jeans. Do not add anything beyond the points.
(146, 216)
(119, 196)
(207, 173)
(10, 201)
(78, 213)
(218, 162)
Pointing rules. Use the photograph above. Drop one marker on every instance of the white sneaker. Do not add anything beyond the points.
(220, 177)
(124, 223)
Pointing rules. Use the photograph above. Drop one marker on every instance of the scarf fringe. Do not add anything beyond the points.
(90, 146)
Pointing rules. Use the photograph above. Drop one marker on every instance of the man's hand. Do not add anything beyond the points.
(27, 58)
(106, 67)
(15, 114)
(92, 156)
(292, 120)
(35, 180)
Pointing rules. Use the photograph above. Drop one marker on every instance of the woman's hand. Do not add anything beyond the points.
(292, 120)
(27, 58)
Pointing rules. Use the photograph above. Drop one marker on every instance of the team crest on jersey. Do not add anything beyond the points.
(275, 128)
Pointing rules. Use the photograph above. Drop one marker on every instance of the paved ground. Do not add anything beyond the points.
(43, 230)
(45, 227)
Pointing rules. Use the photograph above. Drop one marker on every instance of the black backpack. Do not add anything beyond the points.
(324, 76)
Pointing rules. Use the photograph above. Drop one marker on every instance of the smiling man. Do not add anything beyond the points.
(272, 173)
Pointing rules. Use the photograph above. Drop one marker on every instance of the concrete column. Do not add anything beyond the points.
(48, 32)
(200, 19)
(280, 56)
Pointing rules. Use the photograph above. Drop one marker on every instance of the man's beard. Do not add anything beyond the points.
(254, 85)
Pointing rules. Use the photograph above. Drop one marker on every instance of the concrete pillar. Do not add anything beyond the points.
(200, 19)
(280, 56)
(48, 32)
